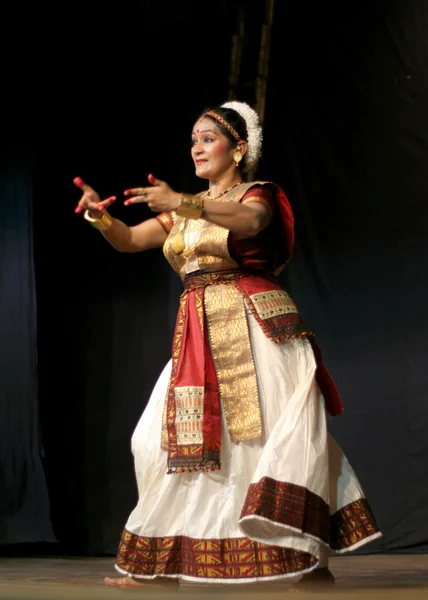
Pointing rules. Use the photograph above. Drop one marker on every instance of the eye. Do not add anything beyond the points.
(208, 139)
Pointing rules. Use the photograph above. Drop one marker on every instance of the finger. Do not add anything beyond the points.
(154, 180)
(140, 191)
(83, 204)
(78, 182)
(136, 200)
(104, 204)
(86, 203)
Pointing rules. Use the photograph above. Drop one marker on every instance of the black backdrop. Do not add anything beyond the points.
(346, 136)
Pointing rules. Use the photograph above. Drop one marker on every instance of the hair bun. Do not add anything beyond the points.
(254, 131)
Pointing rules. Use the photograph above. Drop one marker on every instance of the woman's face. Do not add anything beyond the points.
(211, 151)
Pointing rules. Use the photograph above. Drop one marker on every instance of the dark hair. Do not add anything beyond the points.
(234, 119)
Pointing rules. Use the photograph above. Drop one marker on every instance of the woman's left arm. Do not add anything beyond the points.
(246, 219)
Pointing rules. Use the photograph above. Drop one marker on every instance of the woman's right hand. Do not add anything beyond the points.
(90, 200)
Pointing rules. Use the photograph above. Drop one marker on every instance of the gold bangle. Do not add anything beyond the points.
(101, 223)
(190, 206)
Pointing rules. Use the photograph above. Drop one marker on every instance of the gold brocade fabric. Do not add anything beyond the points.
(233, 359)
(210, 253)
(227, 324)
(223, 309)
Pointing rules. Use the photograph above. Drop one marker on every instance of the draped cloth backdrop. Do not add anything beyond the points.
(24, 500)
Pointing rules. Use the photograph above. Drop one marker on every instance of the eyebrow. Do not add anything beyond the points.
(204, 131)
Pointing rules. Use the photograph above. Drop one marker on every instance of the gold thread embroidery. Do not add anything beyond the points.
(220, 559)
(189, 402)
(233, 359)
(272, 304)
(211, 250)
(199, 302)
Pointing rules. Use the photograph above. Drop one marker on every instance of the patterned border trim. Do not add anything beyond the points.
(189, 418)
(279, 328)
(288, 504)
(229, 558)
(352, 524)
(273, 303)
(292, 505)
(168, 415)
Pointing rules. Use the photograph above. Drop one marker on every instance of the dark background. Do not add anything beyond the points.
(85, 330)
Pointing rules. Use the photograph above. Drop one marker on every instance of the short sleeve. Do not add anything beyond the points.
(262, 195)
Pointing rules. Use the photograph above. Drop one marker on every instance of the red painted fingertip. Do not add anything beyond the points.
(78, 181)
(151, 179)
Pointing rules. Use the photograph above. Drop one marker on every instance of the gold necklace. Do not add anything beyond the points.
(177, 242)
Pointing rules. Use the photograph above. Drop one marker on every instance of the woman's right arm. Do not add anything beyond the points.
(148, 234)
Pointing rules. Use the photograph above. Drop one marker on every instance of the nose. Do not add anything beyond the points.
(196, 149)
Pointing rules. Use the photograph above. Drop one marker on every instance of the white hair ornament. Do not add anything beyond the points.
(254, 131)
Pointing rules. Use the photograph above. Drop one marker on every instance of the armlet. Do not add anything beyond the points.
(165, 219)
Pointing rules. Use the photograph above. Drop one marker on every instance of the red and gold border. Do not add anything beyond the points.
(288, 504)
(296, 507)
(230, 558)
(351, 525)
(242, 558)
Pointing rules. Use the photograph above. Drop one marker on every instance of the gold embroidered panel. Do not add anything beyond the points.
(273, 303)
(233, 359)
(189, 402)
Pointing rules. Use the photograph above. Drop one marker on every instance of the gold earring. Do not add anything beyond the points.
(237, 157)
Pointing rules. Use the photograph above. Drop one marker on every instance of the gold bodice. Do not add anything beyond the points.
(206, 247)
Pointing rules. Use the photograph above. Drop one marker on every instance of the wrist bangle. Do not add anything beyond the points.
(102, 223)
(190, 206)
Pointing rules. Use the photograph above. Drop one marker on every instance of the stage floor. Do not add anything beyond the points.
(372, 577)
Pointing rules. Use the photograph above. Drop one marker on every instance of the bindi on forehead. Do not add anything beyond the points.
(205, 124)
(197, 131)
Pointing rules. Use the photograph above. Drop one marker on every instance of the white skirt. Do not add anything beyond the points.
(207, 508)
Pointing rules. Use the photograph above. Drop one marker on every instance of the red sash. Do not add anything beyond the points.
(193, 406)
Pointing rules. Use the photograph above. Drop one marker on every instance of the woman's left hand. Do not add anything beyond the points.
(159, 197)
